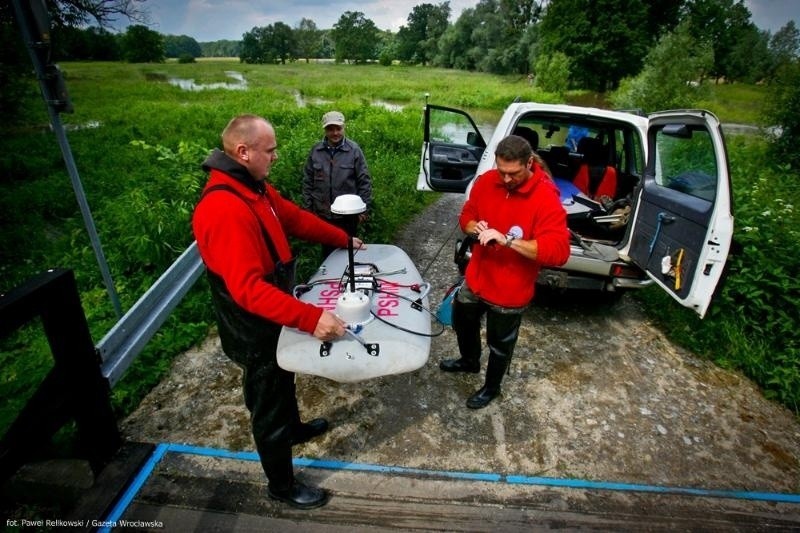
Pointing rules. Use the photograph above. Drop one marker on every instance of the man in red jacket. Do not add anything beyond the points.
(241, 225)
(515, 213)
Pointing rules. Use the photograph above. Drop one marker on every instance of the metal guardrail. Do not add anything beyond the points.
(77, 387)
(120, 346)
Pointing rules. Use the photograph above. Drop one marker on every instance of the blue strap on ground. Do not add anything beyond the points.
(161, 450)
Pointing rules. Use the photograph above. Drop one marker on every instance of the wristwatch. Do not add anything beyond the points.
(509, 239)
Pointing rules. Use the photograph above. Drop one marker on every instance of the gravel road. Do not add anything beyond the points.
(595, 392)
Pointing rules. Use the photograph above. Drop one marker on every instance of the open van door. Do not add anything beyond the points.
(451, 150)
(683, 226)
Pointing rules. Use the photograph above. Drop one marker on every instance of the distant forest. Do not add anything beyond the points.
(572, 41)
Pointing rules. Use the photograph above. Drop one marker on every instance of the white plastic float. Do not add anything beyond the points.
(391, 337)
(385, 306)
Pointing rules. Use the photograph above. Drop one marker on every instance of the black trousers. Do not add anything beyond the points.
(269, 391)
(270, 396)
(502, 331)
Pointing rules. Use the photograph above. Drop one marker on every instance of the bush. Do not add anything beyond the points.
(665, 83)
(552, 73)
(783, 113)
(385, 59)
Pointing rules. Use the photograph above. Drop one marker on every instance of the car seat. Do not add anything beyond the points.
(529, 135)
(557, 159)
(595, 178)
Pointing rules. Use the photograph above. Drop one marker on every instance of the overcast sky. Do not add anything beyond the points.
(212, 20)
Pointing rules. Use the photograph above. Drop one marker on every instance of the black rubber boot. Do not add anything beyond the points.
(502, 330)
(491, 389)
(304, 432)
(467, 325)
(459, 365)
(284, 487)
(300, 496)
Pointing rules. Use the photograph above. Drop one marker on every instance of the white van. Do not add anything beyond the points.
(666, 215)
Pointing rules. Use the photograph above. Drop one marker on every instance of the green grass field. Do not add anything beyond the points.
(138, 141)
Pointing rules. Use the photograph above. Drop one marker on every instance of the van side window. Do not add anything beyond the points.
(686, 162)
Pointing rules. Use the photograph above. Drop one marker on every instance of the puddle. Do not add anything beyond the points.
(90, 125)
(239, 84)
(303, 102)
(388, 105)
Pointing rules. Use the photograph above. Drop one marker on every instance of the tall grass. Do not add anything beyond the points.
(737, 103)
(138, 143)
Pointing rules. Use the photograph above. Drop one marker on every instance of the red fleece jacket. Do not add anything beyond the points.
(231, 244)
(500, 275)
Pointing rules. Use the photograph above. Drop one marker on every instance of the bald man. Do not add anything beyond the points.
(242, 225)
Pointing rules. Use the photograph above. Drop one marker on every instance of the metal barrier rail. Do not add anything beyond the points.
(120, 346)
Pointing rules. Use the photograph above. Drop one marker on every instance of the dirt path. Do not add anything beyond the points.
(595, 392)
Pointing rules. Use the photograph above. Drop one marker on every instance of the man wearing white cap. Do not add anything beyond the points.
(335, 166)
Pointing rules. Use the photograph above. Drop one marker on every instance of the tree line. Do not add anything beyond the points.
(597, 43)
(138, 44)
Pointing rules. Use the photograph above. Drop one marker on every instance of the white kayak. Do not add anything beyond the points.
(389, 324)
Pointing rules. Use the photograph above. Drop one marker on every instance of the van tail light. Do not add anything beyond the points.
(627, 271)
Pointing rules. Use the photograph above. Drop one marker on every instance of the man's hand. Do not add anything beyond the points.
(486, 237)
(329, 327)
(481, 226)
(358, 244)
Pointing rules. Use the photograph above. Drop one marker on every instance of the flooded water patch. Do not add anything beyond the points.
(239, 83)
(302, 101)
(388, 105)
(90, 125)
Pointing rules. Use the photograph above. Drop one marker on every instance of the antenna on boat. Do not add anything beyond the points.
(352, 305)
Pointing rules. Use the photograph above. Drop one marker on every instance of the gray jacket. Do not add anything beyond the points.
(328, 175)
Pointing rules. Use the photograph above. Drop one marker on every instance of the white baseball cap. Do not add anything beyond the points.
(332, 118)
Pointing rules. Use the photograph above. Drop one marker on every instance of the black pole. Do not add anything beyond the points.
(34, 27)
(351, 231)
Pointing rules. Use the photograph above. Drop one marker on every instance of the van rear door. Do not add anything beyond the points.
(683, 225)
(451, 150)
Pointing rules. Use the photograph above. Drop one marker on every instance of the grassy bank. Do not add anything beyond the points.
(138, 142)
